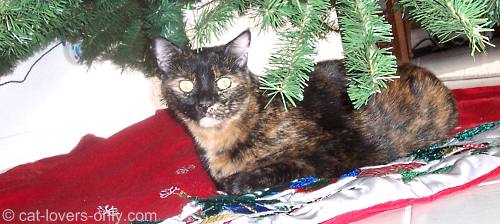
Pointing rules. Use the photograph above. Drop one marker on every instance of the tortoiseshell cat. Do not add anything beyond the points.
(245, 146)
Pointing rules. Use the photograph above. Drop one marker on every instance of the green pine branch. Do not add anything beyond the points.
(166, 18)
(368, 67)
(26, 26)
(130, 49)
(121, 30)
(493, 11)
(213, 21)
(107, 23)
(274, 13)
(289, 65)
(449, 19)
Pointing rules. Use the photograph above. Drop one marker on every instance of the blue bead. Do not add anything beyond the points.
(237, 209)
(303, 182)
(350, 174)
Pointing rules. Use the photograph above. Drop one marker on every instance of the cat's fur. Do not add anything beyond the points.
(245, 146)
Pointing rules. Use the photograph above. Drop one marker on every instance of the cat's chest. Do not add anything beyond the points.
(217, 144)
(216, 140)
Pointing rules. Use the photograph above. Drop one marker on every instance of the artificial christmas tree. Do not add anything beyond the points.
(121, 30)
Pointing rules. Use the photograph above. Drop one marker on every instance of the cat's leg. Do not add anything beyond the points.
(266, 176)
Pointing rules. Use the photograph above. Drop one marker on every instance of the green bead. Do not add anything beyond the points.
(435, 151)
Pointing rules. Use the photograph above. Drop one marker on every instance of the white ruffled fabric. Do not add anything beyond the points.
(359, 193)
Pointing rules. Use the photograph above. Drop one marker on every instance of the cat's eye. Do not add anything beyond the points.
(186, 86)
(223, 83)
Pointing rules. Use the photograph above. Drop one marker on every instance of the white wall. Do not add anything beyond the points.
(61, 101)
(265, 43)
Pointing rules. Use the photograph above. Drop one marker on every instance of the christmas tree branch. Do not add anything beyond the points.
(165, 18)
(287, 74)
(26, 26)
(494, 11)
(368, 67)
(274, 13)
(129, 51)
(121, 30)
(449, 19)
(108, 22)
(213, 21)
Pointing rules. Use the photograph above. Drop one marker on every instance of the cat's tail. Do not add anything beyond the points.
(415, 111)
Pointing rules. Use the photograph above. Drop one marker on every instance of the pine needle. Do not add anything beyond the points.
(289, 65)
(165, 18)
(213, 22)
(449, 19)
(368, 67)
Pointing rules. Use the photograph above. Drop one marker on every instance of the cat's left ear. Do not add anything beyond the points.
(238, 48)
(165, 52)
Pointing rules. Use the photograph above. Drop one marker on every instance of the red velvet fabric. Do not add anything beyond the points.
(129, 169)
(477, 105)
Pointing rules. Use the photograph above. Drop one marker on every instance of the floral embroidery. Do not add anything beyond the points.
(170, 191)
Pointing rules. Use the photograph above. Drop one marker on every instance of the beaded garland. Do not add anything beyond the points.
(319, 184)
(435, 151)
(352, 173)
(391, 169)
(469, 133)
(407, 176)
(303, 182)
(244, 204)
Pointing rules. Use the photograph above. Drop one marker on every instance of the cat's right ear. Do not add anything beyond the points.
(165, 51)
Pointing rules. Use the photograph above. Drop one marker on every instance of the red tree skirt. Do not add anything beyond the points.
(129, 170)
(477, 105)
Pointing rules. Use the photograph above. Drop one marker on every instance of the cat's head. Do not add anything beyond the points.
(207, 87)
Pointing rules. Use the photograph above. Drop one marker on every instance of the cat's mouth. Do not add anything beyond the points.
(209, 122)
(217, 116)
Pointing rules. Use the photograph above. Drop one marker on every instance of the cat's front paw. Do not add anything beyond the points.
(237, 184)
(268, 176)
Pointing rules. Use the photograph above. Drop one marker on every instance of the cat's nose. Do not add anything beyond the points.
(205, 104)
